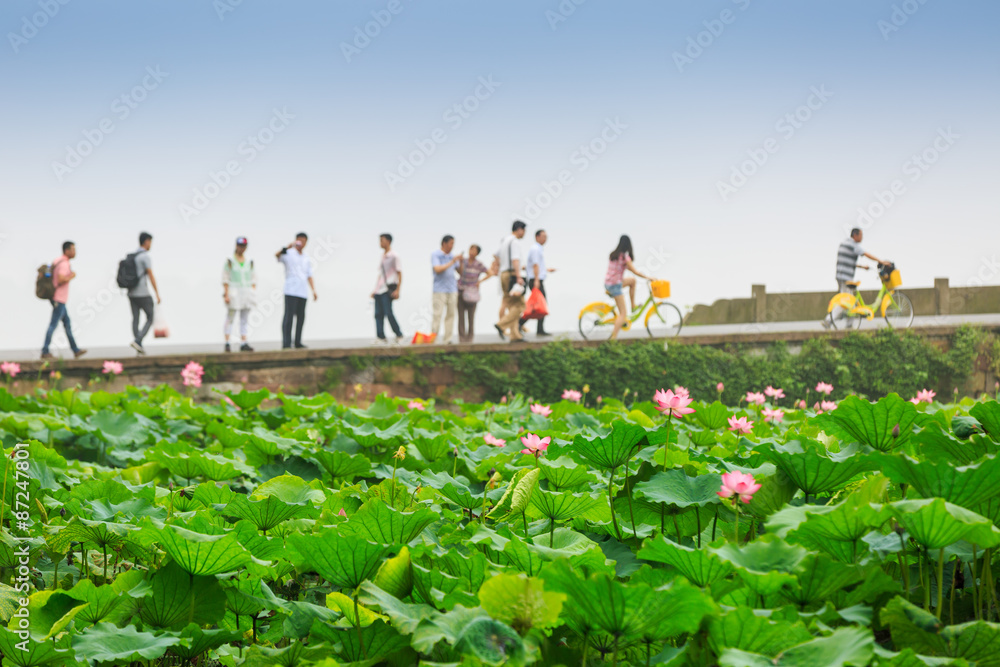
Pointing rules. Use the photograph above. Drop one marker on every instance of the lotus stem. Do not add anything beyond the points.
(926, 583)
(524, 518)
(715, 523)
(586, 645)
(666, 444)
(357, 624)
(628, 494)
(552, 532)
(940, 582)
(611, 501)
(904, 568)
(736, 508)
(697, 515)
(954, 579)
(614, 657)
(976, 597)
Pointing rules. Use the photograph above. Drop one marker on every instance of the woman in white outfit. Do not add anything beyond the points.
(239, 284)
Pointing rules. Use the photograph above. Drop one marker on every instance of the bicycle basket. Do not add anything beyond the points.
(661, 289)
(894, 279)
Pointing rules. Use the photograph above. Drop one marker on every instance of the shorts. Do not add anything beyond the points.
(614, 290)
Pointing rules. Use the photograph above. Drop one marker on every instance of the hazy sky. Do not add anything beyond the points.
(734, 140)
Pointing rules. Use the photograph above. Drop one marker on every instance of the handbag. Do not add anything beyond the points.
(536, 307)
(470, 294)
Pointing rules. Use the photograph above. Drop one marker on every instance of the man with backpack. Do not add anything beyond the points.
(54, 286)
(239, 282)
(135, 273)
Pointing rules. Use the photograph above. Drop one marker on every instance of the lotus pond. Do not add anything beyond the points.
(144, 528)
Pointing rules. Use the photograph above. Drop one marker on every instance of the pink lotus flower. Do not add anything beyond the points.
(490, 439)
(503, 399)
(535, 445)
(572, 395)
(192, 374)
(826, 406)
(774, 393)
(113, 368)
(540, 409)
(773, 415)
(801, 405)
(926, 396)
(682, 392)
(415, 405)
(738, 484)
(915, 401)
(10, 368)
(671, 404)
(824, 388)
(720, 387)
(342, 512)
(741, 425)
(599, 399)
(755, 398)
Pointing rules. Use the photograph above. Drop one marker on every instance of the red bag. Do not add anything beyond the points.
(536, 306)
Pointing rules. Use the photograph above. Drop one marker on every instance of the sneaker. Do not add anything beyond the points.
(500, 331)
(138, 348)
(245, 348)
(517, 340)
(826, 323)
(380, 341)
(300, 347)
(542, 334)
(228, 349)
(400, 340)
(79, 353)
(48, 355)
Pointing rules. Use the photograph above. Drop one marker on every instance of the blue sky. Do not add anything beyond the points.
(555, 85)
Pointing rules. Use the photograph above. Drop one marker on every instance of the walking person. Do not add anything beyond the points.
(471, 272)
(298, 284)
(510, 275)
(62, 274)
(615, 280)
(445, 299)
(848, 254)
(239, 285)
(139, 297)
(387, 286)
(537, 272)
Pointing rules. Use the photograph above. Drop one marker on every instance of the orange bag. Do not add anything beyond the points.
(423, 339)
(536, 306)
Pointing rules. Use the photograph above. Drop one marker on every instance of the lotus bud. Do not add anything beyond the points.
(401, 453)
(182, 493)
(898, 529)
(342, 512)
(69, 558)
(171, 486)
(454, 452)
(895, 431)
(492, 472)
(586, 388)
(62, 511)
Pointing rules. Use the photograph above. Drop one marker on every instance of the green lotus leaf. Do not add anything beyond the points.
(266, 513)
(614, 449)
(988, 414)
(454, 490)
(119, 429)
(342, 465)
(566, 505)
(38, 654)
(521, 602)
(766, 564)
(872, 424)
(964, 426)
(395, 576)
(104, 603)
(433, 586)
(379, 639)
(405, 617)
(908, 658)
(744, 630)
(379, 523)
(775, 492)
(105, 642)
(968, 485)
(203, 555)
(194, 641)
(519, 490)
(249, 400)
(245, 597)
(343, 560)
(492, 642)
(97, 533)
(818, 578)
(368, 435)
(702, 567)
(814, 469)
(177, 598)
(678, 489)
(936, 524)
(846, 646)
(434, 448)
(48, 614)
(564, 473)
(941, 447)
(295, 654)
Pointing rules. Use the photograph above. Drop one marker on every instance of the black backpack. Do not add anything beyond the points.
(128, 273)
(44, 287)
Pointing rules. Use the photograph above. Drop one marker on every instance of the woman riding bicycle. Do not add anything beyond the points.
(615, 281)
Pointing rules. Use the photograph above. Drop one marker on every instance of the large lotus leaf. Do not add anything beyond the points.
(38, 654)
(266, 513)
(48, 614)
(521, 602)
(105, 602)
(714, 416)
(344, 605)
(405, 617)
(177, 598)
(219, 468)
(818, 578)
(378, 639)
(744, 630)
(248, 400)
(368, 435)
(814, 469)
(701, 566)
(938, 445)
(766, 564)
(872, 424)
(434, 448)
(246, 597)
(97, 533)
(194, 641)
(515, 498)
(382, 524)
(119, 429)
(107, 643)
(936, 524)
(988, 414)
(492, 642)
(678, 489)
(565, 505)
(259, 546)
(289, 489)
(564, 473)
(295, 654)
(912, 627)
(846, 646)
(775, 492)
(908, 658)
(454, 490)
(343, 560)
(471, 568)
(395, 576)
(342, 465)
(614, 449)
(203, 555)
(968, 485)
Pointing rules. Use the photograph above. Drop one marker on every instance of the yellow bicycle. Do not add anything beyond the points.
(662, 318)
(894, 306)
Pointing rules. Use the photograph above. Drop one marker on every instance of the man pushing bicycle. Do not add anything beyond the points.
(847, 262)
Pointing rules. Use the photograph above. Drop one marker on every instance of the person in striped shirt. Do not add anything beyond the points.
(848, 254)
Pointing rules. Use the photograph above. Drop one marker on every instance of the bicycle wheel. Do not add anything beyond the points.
(899, 313)
(664, 320)
(596, 322)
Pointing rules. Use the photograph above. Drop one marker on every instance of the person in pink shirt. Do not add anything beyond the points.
(62, 274)
(615, 281)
